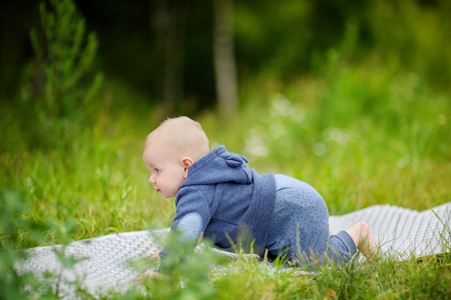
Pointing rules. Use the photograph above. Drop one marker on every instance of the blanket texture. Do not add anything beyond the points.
(103, 263)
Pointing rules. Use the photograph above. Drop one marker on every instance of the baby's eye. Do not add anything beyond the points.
(157, 171)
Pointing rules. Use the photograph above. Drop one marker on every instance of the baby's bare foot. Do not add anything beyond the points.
(363, 238)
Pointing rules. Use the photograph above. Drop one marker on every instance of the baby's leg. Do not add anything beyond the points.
(341, 247)
(300, 220)
(363, 238)
(344, 244)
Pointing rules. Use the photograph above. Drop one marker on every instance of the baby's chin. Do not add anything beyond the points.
(167, 197)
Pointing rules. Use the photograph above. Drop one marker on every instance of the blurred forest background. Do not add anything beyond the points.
(163, 51)
(352, 97)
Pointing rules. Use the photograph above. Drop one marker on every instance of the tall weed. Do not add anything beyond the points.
(64, 56)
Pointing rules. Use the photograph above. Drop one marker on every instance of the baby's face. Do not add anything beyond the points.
(167, 170)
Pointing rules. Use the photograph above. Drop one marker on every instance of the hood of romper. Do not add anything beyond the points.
(219, 166)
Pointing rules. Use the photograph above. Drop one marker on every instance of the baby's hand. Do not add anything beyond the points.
(147, 276)
(155, 256)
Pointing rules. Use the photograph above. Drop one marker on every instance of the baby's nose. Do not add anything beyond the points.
(151, 180)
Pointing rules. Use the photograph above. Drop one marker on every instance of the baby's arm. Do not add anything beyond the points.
(192, 216)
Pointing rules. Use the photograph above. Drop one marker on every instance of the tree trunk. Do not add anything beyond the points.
(169, 23)
(226, 82)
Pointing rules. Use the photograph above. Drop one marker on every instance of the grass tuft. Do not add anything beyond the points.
(367, 135)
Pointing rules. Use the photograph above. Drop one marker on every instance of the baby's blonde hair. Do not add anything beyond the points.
(185, 136)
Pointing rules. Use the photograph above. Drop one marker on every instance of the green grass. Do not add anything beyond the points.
(361, 137)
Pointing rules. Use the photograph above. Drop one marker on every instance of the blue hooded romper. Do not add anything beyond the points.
(224, 198)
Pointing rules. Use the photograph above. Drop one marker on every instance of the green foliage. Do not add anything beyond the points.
(281, 40)
(292, 38)
(344, 131)
(360, 135)
(64, 56)
(16, 230)
(385, 278)
(368, 126)
(189, 277)
(15, 227)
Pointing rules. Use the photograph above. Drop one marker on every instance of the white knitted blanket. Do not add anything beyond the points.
(103, 262)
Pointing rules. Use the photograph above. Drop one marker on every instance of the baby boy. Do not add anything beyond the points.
(218, 194)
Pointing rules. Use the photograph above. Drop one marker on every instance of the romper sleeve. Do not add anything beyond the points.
(192, 217)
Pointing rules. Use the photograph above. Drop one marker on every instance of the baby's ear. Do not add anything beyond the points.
(187, 162)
